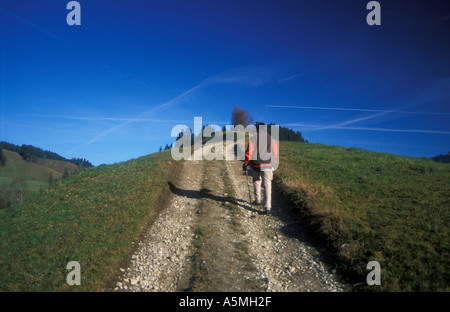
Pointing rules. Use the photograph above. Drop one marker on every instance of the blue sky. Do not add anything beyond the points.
(113, 88)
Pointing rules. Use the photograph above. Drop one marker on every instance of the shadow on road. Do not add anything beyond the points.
(207, 193)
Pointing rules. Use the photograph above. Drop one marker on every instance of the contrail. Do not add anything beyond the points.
(140, 116)
(124, 119)
(254, 76)
(153, 110)
(394, 130)
(307, 127)
(37, 27)
(352, 121)
(359, 110)
(102, 67)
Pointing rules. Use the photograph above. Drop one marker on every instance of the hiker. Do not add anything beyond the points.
(262, 164)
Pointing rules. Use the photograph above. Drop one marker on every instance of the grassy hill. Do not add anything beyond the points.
(373, 206)
(366, 206)
(36, 175)
(92, 217)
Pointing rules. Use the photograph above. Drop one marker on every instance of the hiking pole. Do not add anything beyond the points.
(249, 193)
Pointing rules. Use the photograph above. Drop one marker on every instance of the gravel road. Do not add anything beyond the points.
(210, 238)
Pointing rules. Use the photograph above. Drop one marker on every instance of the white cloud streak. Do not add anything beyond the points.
(394, 130)
(253, 76)
(124, 119)
(165, 105)
(360, 110)
(309, 127)
(437, 91)
(37, 27)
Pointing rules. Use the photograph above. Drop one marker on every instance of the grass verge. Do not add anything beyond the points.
(92, 217)
(371, 206)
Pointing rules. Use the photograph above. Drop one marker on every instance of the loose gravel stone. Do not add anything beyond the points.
(281, 257)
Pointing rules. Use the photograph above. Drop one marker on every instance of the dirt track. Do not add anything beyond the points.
(210, 238)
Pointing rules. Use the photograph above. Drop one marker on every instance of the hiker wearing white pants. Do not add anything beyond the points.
(264, 178)
(262, 155)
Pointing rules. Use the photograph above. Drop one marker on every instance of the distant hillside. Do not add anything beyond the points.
(32, 154)
(18, 177)
(26, 168)
(34, 173)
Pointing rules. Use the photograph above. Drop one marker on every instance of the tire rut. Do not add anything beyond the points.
(210, 238)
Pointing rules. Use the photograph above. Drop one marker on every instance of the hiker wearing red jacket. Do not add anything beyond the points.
(262, 156)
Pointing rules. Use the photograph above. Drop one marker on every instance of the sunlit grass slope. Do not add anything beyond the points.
(374, 207)
(93, 217)
(36, 175)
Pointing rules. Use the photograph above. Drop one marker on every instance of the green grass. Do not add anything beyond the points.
(16, 167)
(367, 206)
(31, 184)
(92, 217)
(36, 175)
(373, 206)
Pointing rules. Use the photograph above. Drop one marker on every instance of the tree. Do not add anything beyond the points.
(28, 153)
(2, 158)
(81, 163)
(31, 154)
(208, 129)
(286, 134)
(442, 158)
(186, 134)
(240, 116)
